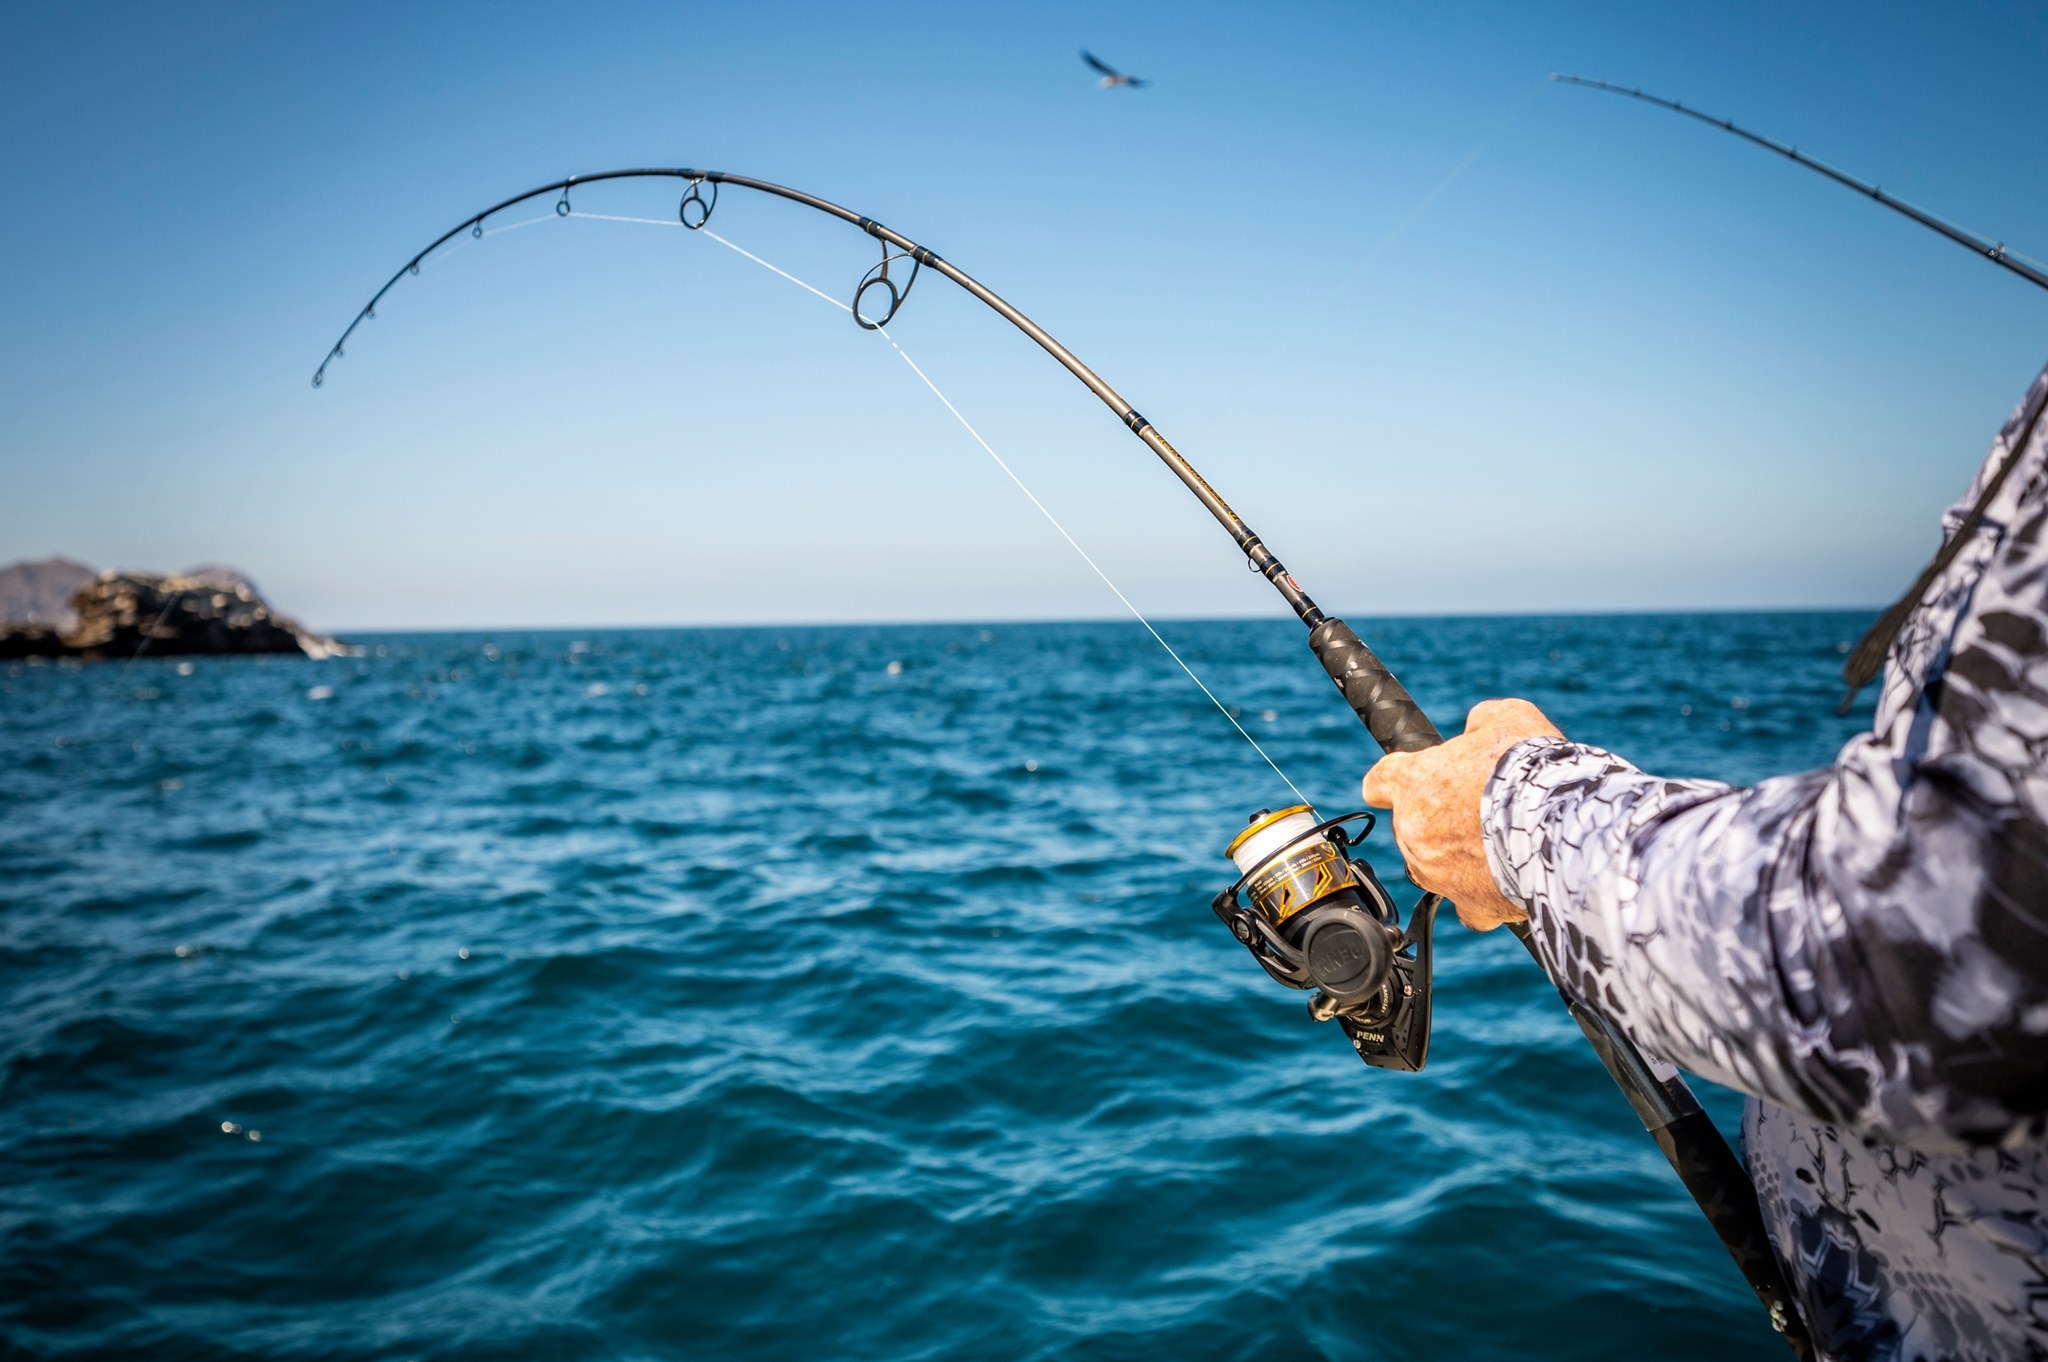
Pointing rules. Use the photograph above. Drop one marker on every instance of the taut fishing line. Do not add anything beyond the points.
(1391, 236)
(1000, 462)
(1135, 612)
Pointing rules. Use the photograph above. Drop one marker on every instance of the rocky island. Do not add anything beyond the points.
(127, 614)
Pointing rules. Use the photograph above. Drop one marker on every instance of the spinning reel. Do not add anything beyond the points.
(1317, 919)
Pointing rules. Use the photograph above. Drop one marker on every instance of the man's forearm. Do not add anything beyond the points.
(1721, 927)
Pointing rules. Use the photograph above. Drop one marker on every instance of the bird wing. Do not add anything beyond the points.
(1098, 64)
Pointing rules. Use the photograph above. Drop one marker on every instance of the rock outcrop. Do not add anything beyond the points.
(30, 640)
(126, 614)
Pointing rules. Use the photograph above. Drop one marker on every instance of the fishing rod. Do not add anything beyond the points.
(1314, 917)
(1994, 251)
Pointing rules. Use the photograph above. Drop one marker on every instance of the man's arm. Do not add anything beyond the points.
(1774, 940)
(1732, 932)
(1867, 944)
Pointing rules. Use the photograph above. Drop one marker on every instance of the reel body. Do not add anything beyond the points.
(1316, 919)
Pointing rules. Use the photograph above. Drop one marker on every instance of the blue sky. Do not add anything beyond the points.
(1451, 337)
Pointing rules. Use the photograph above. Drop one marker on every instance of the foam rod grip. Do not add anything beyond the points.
(1383, 704)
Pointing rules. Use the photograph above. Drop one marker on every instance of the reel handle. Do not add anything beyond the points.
(1382, 703)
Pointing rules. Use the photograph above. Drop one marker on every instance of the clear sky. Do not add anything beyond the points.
(1453, 338)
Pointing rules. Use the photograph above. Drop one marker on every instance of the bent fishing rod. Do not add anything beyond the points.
(1313, 916)
(1994, 251)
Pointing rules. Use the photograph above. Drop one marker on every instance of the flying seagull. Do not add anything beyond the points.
(1111, 77)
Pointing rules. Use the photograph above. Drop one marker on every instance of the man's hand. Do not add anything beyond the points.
(1435, 798)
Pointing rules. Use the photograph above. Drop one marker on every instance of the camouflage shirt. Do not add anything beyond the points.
(1862, 949)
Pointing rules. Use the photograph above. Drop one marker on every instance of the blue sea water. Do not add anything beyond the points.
(804, 993)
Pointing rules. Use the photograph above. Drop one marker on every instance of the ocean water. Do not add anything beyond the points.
(804, 993)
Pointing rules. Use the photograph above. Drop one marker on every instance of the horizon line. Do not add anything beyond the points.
(1616, 612)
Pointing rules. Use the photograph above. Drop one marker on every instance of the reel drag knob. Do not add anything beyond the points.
(1349, 955)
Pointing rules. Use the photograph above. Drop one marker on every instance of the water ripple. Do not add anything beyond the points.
(786, 993)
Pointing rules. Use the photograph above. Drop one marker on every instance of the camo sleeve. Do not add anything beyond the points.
(1865, 944)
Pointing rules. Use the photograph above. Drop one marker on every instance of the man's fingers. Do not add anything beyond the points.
(1383, 781)
(1479, 920)
(1484, 909)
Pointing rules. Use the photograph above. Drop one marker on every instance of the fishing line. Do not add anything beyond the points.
(514, 226)
(1399, 230)
(1429, 200)
(1010, 472)
(458, 247)
(784, 273)
(1221, 708)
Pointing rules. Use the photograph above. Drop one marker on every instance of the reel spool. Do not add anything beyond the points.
(1318, 920)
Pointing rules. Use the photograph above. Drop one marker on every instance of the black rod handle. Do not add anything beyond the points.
(1694, 1147)
(1721, 1186)
(1383, 704)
